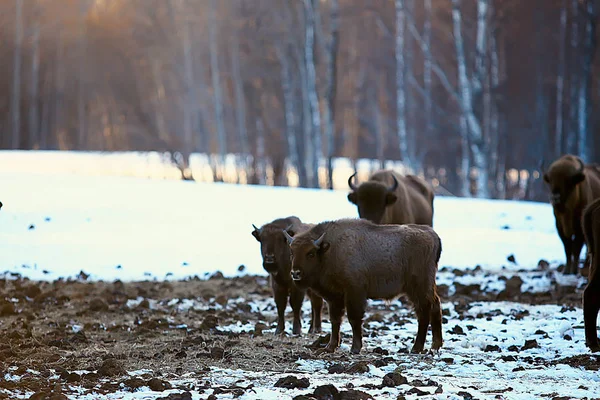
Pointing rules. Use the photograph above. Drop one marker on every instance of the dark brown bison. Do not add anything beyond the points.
(276, 261)
(391, 198)
(573, 186)
(591, 295)
(351, 260)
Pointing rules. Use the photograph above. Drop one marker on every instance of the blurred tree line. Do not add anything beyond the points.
(461, 91)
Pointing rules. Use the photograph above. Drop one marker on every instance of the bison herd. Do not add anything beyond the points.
(392, 250)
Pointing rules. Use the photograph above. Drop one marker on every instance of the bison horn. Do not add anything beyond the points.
(318, 242)
(581, 166)
(288, 237)
(255, 228)
(394, 186)
(352, 185)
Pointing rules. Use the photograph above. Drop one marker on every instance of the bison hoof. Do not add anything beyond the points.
(279, 331)
(355, 349)
(436, 345)
(326, 349)
(315, 330)
(594, 347)
(417, 349)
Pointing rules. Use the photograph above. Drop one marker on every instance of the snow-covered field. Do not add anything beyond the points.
(128, 228)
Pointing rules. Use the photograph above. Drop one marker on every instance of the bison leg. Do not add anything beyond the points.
(356, 312)
(436, 322)
(316, 302)
(577, 246)
(296, 299)
(567, 244)
(591, 305)
(280, 293)
(423, 314)
(336, 312)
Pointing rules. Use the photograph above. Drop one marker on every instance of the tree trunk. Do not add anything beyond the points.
(589, 47)
(560, 82)
(82, 43)
(260, 171)
(290, 120)
(33, 88)
(240, 103)
(214, 71)
(477, 143)
(400, 85)
(573, 81)
(311, 86)
(427, 69)
(15, 106)
(331, 90)
(494, 126)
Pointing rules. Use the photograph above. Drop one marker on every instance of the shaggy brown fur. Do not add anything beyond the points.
(391, 198)
(591, 295)
(276, 261)
(351, 260)
(573, 186)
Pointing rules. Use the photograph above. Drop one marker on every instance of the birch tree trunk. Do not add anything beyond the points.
(560, 81)
(477, 143)
(214, 71)
(573, 81)
(307, 126)
(400, 85)
(311, 86)
(58, 91)
(191, 102)
(494, 126)
(33, 87)
(331, 90)
(260, 172)
(15, 105)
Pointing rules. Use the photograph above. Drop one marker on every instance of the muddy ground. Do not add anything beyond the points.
(71, 338)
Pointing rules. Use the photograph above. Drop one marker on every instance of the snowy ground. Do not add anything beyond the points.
(133, 229)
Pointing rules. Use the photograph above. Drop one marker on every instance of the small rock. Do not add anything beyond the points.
(325, 392)
(567, 337)
(513, 348)
(111, 367)
(417, 391)
(98, 304)
(158, 385)
(394, 379)
(359, 367)
(530, 344)
(7, 309)
(353, 395)
(217, 275)
(221, 299)
(457, 330)
(492, 347)
(543, 265)
(31, 227)
(217, 353)
(258, 328)
(209, 322)
(465, 395)
(291, 382)
(177, 396)
(134, 383)
(82, 275)
(241, 268)
(336, 369)
(511, 259)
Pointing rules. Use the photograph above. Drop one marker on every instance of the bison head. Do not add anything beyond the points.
(305, 255)
(562, 177)
(372, 197)
(274, 249)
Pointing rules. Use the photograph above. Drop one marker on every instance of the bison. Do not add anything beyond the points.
(276, 261)
(573, 186)
(591, 295)
(348, 261)
(390, 198)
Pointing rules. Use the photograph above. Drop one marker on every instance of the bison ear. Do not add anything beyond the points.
(578, 178)
(352, 197)
(324, 247)
(390, 199)
(546, 178)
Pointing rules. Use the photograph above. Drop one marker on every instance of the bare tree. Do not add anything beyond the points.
(331, 88)
(216, 83)
(400, 84)
(560, 80)
(16, 91)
